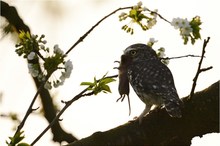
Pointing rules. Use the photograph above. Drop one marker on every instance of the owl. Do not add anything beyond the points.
(150, 78)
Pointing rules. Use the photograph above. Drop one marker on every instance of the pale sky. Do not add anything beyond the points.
(96, 55)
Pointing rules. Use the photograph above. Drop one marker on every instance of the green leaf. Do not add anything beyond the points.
(23, 144)
(16, 139)
(106, 88)
(99, 85)
(195, 25)
(87, 84)
(107, 80)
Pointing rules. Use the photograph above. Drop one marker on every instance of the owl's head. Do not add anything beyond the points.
(140, 52)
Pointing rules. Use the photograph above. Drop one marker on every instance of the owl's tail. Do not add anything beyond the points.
(173, 107)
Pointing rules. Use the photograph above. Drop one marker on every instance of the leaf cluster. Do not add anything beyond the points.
(136, 14)
(195, 25)
(98, 86)
(16, 139)
(30, 44)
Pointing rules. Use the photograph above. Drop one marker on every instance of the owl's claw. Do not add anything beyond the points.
(116, 62)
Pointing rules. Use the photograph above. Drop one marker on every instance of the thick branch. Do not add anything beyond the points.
(200, 116)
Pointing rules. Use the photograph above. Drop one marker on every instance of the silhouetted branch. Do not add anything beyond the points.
(199, 70)
(178, 57)
(91, 29)
(67, 104)
(10, 13)
(200, 116)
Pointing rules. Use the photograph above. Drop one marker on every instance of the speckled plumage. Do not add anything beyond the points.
(151, 80)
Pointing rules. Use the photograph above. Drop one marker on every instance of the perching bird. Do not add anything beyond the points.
(151, 80)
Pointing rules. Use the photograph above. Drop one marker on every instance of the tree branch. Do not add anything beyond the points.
(91, 29)
(199, 70)
(11, 14)
(168, 58)
(200, 116)
(67, 104)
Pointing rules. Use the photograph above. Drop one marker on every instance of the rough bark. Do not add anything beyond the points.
(200, 116)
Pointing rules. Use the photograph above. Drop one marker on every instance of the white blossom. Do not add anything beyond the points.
(47, 85)
(183, 25)
(68, 67)
(31, 56)
(145, 9)
(42, 46)
(152, 40)
(57, 50)
(186, 31)
(123, 16)
(151, 23)
(176, 22)
(34, 72)
(139, 4)
(44, 41)
(180, 23)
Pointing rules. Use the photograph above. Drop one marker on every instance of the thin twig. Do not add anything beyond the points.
(30, 109)
(161, 17)
(84, 36)
(199, 70)
(168, 58)
(67, 104)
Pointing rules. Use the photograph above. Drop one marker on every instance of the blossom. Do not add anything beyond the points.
(139, 4)
(151, 41)
(44, 41)
(47, 85)
(57, 50)
(123, 16)
(186, 31)
(180, 23)
(68, 68)
(33, 70)
(183, 25)
(145, 9)
(161, 53)
(151, 23)
(176, 22)
(31, 56)
(66, 74)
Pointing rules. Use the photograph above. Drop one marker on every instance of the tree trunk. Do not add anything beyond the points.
(200, 116)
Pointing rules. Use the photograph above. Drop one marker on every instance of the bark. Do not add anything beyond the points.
(200, 116)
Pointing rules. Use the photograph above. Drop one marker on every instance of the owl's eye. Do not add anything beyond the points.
(133, 52)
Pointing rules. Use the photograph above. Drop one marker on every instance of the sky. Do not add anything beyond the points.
(63, 22)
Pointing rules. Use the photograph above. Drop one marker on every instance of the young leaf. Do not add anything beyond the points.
(87, 84)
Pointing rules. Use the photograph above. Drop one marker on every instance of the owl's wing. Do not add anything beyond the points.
(159, 82)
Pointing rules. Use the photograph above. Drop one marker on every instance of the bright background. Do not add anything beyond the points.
(63, 22)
